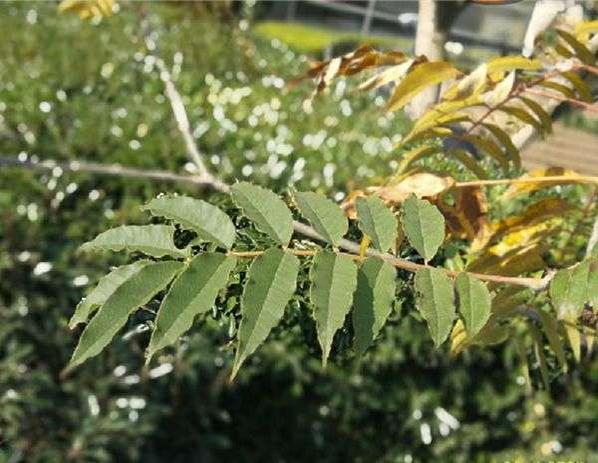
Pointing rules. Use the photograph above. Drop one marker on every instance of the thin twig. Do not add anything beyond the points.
(590, 107)
(555, 179)
(102, 169)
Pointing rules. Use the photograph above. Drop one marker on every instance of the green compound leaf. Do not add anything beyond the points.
(593, 283)
(133, 293)
(269, 213)
(209, 222)
(192, 293)
(377, 221)
(333, 280)
(435, 301)
(153, 240)
(271, 282)
(326, 217)
(423, 225)
(103, 290)
(373, 299)
(474, 303)
(569, 290)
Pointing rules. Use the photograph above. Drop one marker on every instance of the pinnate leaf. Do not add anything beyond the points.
(193, 292)
(423, 225)
(326, 217)
(474, 302)
(435, 301)
(209, 222)
(333, 280)
(103, 290)
(271, 282)
(269, 213)
(372, 301)
(153, 240)
(136, 291)
(377, 221)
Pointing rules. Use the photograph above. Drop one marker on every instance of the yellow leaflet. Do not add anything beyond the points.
(423, 76)
(584, 29)
(498, 66)
(568, 176)
(472, 84)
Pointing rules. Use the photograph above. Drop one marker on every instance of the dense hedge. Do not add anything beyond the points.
(75, 90)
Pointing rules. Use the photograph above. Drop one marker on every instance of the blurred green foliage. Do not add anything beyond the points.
(75, 90)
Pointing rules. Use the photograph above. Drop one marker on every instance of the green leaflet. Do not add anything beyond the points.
(208, 221)
(377, 221)
(581, 51)
(593, 283)
(326, 217)
(153, 240)
(569, 290)
(551, 330)
(539, 111)
(505, 140)
(540, 357)
(333, 280)
(103, 290)
(423, 225)
(111, 317)
(271, 282)
(489, 147)
(269, 213)
(435, 301)
(193, 292)
(474, 303)
(373, 299)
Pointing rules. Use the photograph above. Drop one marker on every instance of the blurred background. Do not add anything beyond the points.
(89, 91)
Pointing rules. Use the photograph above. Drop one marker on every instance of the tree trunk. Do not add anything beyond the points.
(434, 21)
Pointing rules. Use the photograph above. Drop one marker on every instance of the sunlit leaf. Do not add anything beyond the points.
(501, 92)
(269, 213)
(581, 87)
(416, 154)
(377, 221)
(392, 74)
(421, 77)
(192, 293)
(505, 140)
(519, 188)
(271, 282)
(136, 291)
(208, 221)
(423, 225)
(372, 301)
(153, 240)
(498, 66)
(87, 9)
(472, 84)
(551, 330)
(474, 302)
(326, 217)
(581, 51)
(540, 356)
(435, 301)
(333, 279)
(103, 290)
(539, 111)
